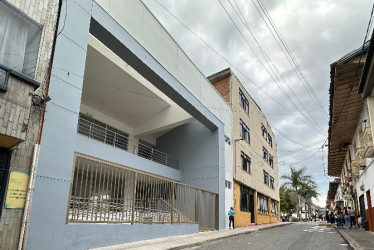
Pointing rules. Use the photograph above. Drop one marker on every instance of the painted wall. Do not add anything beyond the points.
(241, 218)
(47, 228)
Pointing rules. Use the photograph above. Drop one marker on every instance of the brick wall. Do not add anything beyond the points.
(223, 87)
(17, 116)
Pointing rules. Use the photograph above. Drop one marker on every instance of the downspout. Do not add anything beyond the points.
(27, 207)
(26, 214)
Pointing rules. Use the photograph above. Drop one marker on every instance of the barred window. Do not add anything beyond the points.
(228, 184)
(274, 208)
(270, 141)
(262, 202)
(246, 162)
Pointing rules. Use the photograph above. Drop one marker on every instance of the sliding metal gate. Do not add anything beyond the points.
(104, 192)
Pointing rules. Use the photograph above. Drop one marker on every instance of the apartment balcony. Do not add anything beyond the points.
(368, 143)
(101, 132)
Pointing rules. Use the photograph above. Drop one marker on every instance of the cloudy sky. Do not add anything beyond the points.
(291, 88)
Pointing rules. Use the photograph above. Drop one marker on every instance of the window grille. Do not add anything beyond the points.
(265, 154)
(274, 208)
(264, 131)
(272, 182)
(271, 161)
(266, 178)
(228, 184)
(262, 202)
(270, 141)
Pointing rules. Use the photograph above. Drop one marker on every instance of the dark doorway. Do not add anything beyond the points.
(4, 172)
(369, 215)
(362, 206)
(252, 207)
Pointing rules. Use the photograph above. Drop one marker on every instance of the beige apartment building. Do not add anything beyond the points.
(256, 184)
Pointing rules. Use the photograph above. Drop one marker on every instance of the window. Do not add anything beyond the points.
(265, 154)
(264, 131)
(266, 178)
(271, 161)
(228, 184)
(262, 204)
(274, 208)
(4, 172)
(243, 101)
(245, 201)
(227, 140)
(246, 162)
(270, 141)
(244, 131)
(271, 182)
(4, 75)
(20, 41)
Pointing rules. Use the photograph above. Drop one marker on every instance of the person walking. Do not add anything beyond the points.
(231, 214)
(353, 217)
(339, 217)
(347, 218)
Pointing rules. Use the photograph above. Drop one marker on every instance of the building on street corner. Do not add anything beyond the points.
(255, 162)
(351, 149)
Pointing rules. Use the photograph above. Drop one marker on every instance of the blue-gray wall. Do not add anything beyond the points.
(47, 224)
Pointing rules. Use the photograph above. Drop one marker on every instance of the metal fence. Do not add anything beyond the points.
(103, 192)
(102, 132)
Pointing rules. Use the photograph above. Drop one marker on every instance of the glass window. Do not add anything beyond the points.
(246, 162)
(20, 38)
(4, 75)
(228, 184)
(271, 161)
(244, 131)
(274, 208)
(265, 154)
(264, 131)
(270, 141)
(245, 201)
(266, 178)
(272, 182)
(243, 101)
(262, 204)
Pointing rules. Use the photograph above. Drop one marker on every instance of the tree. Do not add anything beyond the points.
(295, 181)
(308, 190)
(287, 200)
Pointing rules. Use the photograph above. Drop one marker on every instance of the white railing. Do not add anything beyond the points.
(101, 132)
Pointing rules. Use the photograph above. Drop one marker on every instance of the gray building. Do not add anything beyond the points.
(133, 138)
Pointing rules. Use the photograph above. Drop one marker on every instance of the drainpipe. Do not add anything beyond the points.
(26, 214)
(23, 236)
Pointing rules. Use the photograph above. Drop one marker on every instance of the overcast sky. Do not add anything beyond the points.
(317, 33)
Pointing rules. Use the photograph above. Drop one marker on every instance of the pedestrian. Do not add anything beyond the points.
(332, 217)
(353, 217)
(347, 218)
(339, 217)
(359, 221)
(327, 216)
(231, 214)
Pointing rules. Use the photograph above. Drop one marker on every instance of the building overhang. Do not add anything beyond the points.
(345, 106)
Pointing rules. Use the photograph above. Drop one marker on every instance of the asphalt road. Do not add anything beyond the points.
(296, 236)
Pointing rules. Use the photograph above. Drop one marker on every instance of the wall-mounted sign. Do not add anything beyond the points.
(17, 190)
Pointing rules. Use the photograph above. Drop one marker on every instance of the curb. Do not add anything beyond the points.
(352, 243)
(196, 244)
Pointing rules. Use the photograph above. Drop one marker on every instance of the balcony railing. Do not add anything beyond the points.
(101, 132)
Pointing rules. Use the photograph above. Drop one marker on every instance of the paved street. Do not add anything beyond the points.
(302, 235)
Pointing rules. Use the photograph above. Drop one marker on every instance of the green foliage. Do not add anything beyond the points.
(287, 200)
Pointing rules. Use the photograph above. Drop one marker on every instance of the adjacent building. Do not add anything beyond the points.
(255, 164)
(351, 149)
(27, 31)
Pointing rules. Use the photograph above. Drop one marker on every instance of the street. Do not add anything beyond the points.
(301, 235)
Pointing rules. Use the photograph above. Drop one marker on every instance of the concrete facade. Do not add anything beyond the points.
(174, 108)
(230, 87)
(19, 119)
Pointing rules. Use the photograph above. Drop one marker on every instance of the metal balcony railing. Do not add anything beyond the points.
(101, 132)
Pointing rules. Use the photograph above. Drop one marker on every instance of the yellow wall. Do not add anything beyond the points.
(241, 218)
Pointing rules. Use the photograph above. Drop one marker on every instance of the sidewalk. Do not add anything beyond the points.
(358, 238)
(191, 240)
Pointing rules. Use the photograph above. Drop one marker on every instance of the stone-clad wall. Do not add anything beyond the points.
(17, 116)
